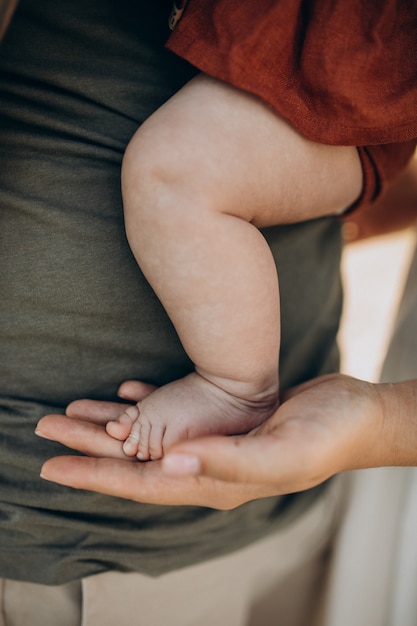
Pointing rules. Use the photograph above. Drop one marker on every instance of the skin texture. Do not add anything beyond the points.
(329, 425)
(195, 190)
(326, 426)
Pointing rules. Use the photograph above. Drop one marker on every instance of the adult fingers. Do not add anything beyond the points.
(85, 436)
(100, 411)
(96, 411)
(273, 464)
(144, 482)
(135, 390)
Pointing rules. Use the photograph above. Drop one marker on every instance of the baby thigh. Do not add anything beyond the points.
(214, 142)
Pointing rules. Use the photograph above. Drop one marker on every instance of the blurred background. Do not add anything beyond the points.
(374, 271)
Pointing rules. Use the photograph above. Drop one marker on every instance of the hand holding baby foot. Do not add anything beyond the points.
(185, 409)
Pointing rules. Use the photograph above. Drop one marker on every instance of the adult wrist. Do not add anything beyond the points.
(398, 441)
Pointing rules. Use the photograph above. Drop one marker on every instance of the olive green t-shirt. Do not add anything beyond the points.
(77, 77)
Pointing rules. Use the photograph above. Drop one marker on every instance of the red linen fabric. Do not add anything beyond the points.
(341, 72)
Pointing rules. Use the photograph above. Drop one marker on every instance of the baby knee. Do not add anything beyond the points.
(154, 184)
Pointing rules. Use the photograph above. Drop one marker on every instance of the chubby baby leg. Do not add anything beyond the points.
(200, 177)
(188, 408)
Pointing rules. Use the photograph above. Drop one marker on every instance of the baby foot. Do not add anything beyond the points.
(141, 437)
(187, 408)
(121, 427)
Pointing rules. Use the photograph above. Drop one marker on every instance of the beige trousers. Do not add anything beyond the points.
(275, 582)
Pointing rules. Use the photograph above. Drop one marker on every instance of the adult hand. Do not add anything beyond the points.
(107, 470)
(325, 426)
(331, 424)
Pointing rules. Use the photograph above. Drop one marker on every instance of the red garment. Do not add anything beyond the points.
(342, 72)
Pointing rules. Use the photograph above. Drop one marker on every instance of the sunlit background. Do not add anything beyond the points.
(374, 272)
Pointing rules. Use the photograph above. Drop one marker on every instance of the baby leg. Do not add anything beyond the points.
(200, 176)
